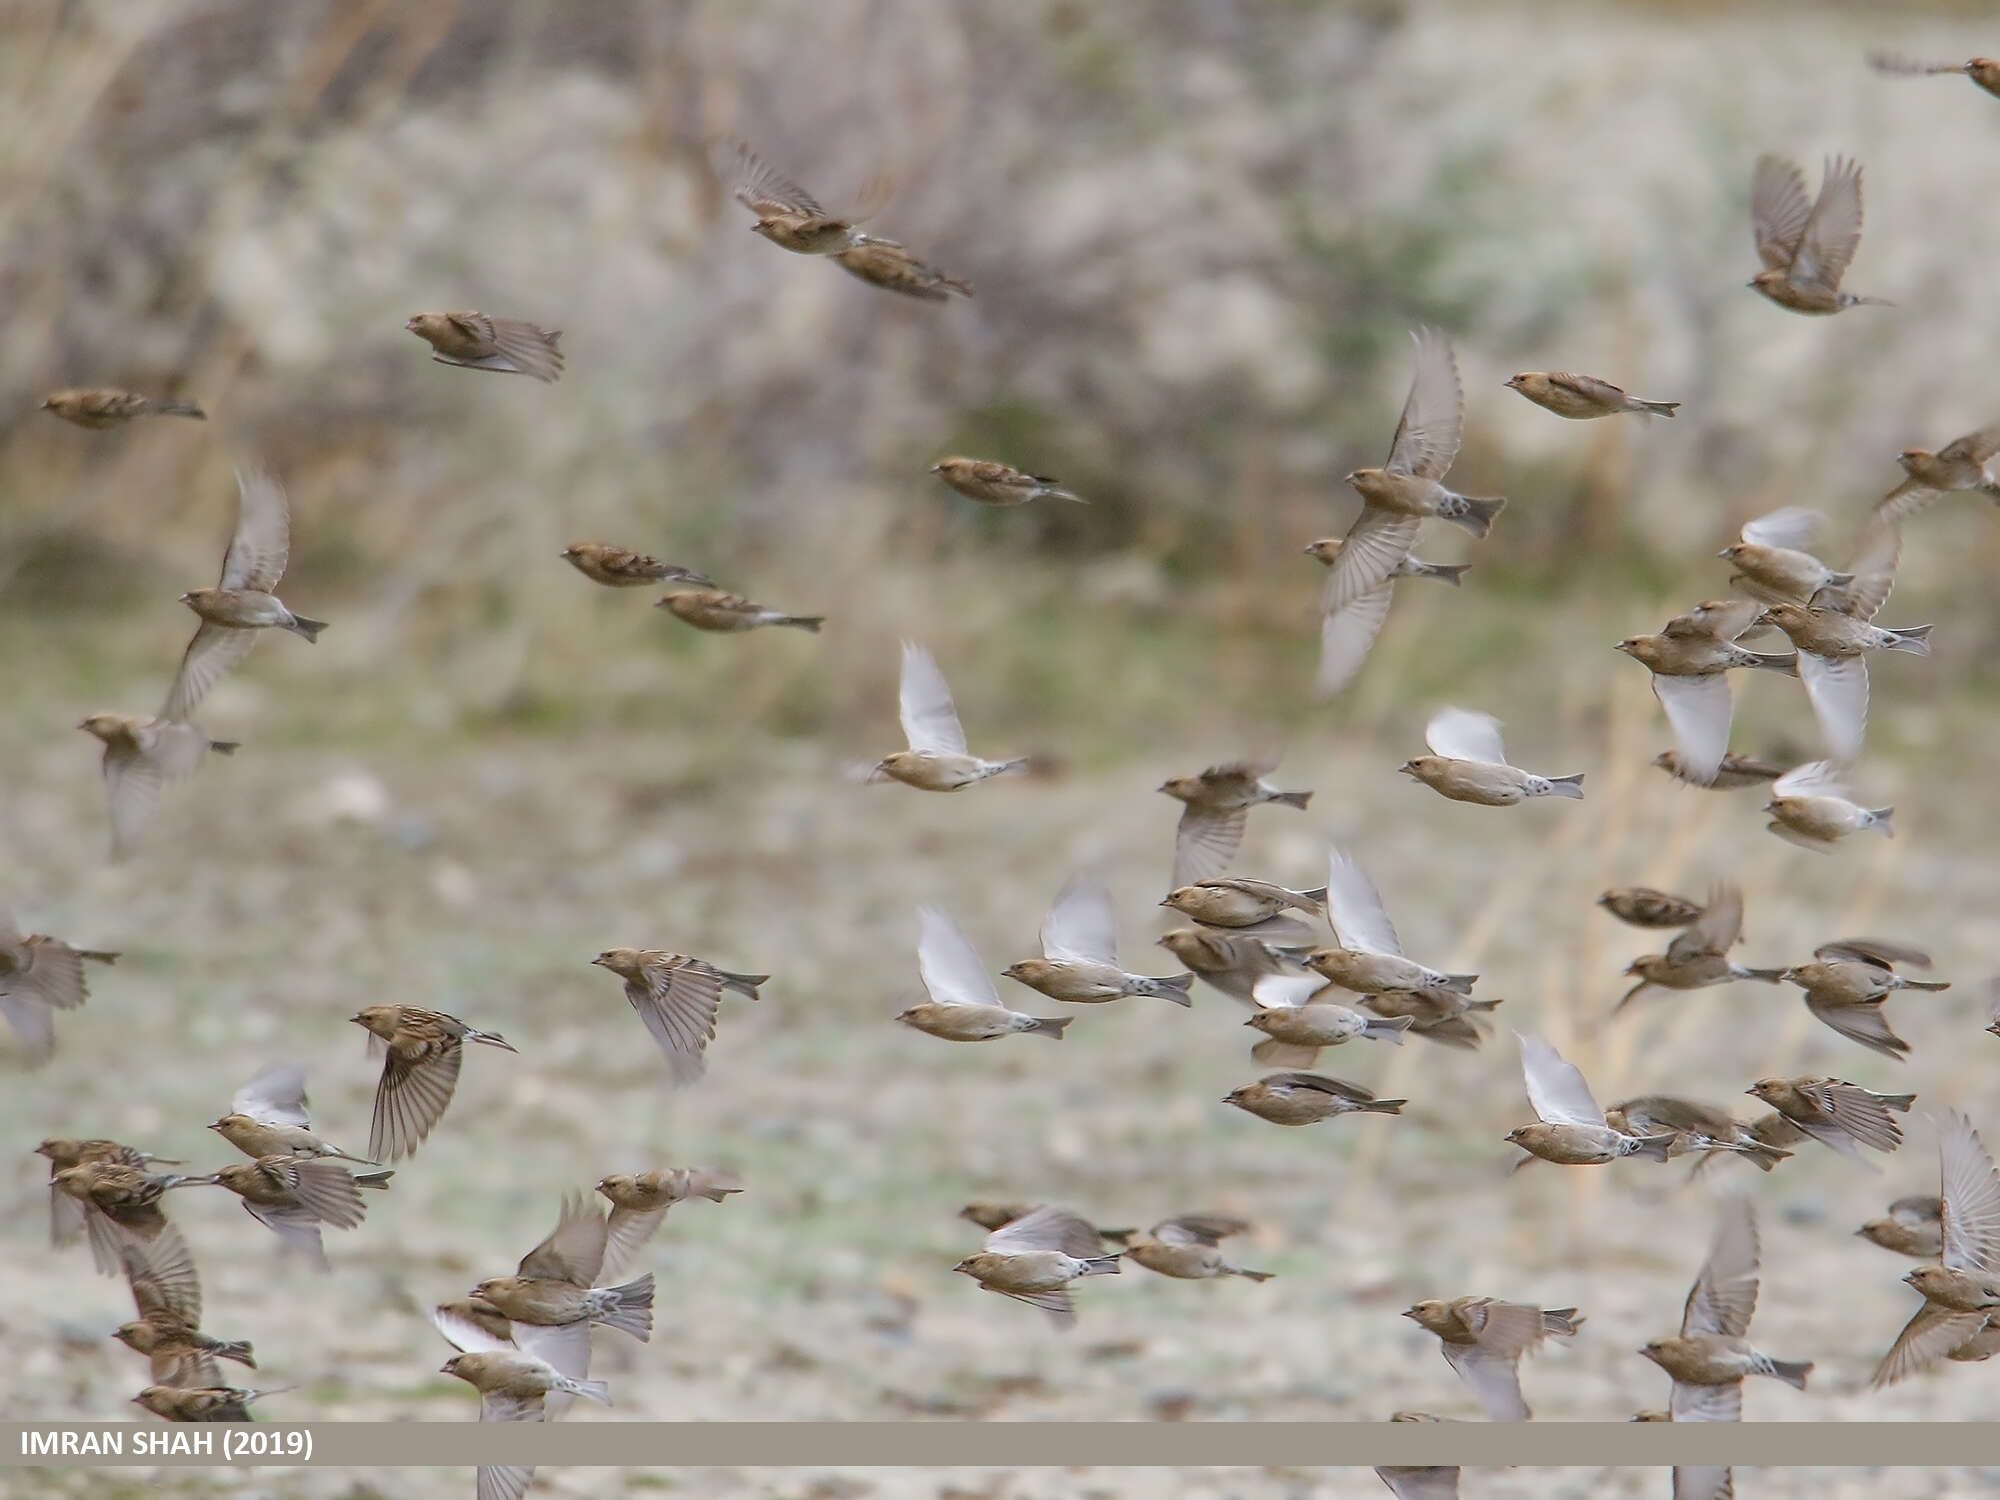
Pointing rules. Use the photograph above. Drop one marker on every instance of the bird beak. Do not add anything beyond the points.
(216, 1126)
(598, 961)
(1771, 806)
(1408, 768)
(1725, 552)
(936, 469)
(1861, 1232)
(355, 1019)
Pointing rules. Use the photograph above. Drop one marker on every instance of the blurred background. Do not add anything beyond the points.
(1199, 233)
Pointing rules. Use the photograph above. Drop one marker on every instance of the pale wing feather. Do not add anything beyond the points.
(1837, 687)
(1927, 1338)
(1814, 779)
(499, 1481)
(1081, 925)
(1460, 734)
(1205, 842)
(411, 1099)
(1286, 991)
(296, 1226)
(132, 786)
(1346, 635)
(263, 542)
(1706, 1403)
(952, 969)
(1971, 1194)
(1354, 908)
(463, 1333)
(678, 1006)
(1700, 710)
(1047, 1228)
(276, 1096)
(1433, 418)
(1833, 231)
(1724, 1295)
(1556, 1088)
(34, 1025)
(1792, 528)
(574, 1250)
(930, 720)
(1414, 1482)
(626, 1233)
(563, 1346)
(1779, 209)
(213, 651)
(1494, 1379)
(1377, 541)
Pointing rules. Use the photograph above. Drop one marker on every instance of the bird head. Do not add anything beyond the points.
(1326, 549)
(1518, 381)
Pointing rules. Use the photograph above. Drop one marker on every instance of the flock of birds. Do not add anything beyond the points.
(1318, 968)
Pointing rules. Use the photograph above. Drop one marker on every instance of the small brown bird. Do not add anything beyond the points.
(167, 1294)
(622, 568)
(1217, 805)
(40, 975)
(1713, 1355)
(1961, 465)
(1297, 1023)
(554, 1297)
(1484, 1340)
(1810, 807)
(241, 606)
(937, 760)
(1468, 763)
(1913, 1226)
(513, 1386)
(1642, 906)
(1962, 1292)
(1847, 982)
(1307, 1098)
(1983, 71)
(1034, 1258)
(1347, 632)
(474, 1325)
(1689, 662)
(886, 264)
(222, 1403)
(1733, 773)
(1696, 1128)
(964, 1002)
(268, 1118)
(106, 406)
(1408, 488)
(1775, 565)
(1227, 961)
(1255, 908)
(140, 757)
(293, 1196)
(1582, 397)
(677, 997)
(66, 1211)
(1805, 245)
(1441, 1015)
(1188, 1248)
(790, 217)
(1699, 957)
(423, 1051)
(1835, 1113)
(1571, 1130)
(639, 1204)
(1326, 549)
(120, 1207)
(999, 484)
(729, 614)
(993, 1215)
(1368, 959)
(1079, 962)
(506, 346)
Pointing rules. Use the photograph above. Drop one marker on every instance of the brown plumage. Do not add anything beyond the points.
(423, 1052)
(622, 568)
(677, 998)
(105, 406)
(506, 346)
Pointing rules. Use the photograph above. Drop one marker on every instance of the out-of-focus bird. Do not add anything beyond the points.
(1216, 804)
(1961, 465)
(554, 1295)
(241, 606)
(1847, 982)
(1806, 244)
(1983, 71)
(1571, 1130)
(993, 483)
(1079, 962)
(1255, 907)
(140, 757)
(66, 1209)
(1699, 957)
(1326, 549)
(937, 760)
(1712, 1357)
(1696, 1128)
(1441, 1015)
(1228, 961)
(1642, 906)
(728, 614)
(1912, 1226)
(1307, 1098)
(506, 346)
(622, 568)
(1581, 397)
(223, 1403)
(1468, 763)
(1297, 1023)
(292, 1196)
(677, 997)
(1483, 1341)
(886, 264)
(120, 1207)
(40, 975)
(1033, 1259)
(993, 1215)
(1810, 807)
(1689, 661)
(105, 406)
(790, 217)
(1962, 1292)
(1346, 633)
(1188, 1248)
(1418, 1481)
(1367, 957)
(964, 1003)
(423, 1051)
(1772, 559)
(639, 1204)
(168, 1329)
(1836, 1113)
(515, 1386)
(1733, 772)
(268, 1118)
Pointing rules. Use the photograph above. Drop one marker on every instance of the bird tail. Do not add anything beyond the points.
(1059, 494)
(1292, 799)
(374, 1179)
(804, 622)
(180, 409)
(1884, 819)
(1567, 786)
(1462, 984)
(1474, 514)
(1561, 1321)
(1658, 408)
(1101, 1265)
(1655, 1147)
(1247, 1274)
(1450, 573)
(1769, 976)
(1764, 1157)
(1901, 1102)
(1792, 1371)
(102, 958)
(1379, 1030)
(1116, 1236)
(1018, 763)
(633, 1311)
(1775, 661)
(1051, 1027)
(1317, 895)
(1926, 984)
(744, 984)
(1915, 640)
(1853, 301)
(491, 1039)
(593, 1390)
(238, 1350)
(1382, 1107)
(1174, 988)
(310, 629)
(225, 747)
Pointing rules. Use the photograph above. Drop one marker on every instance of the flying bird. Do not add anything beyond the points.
(268, 1118)
(993, 483)
(964, 1003)
(1699, 957)
(1847, 982)
(1483, 1340)
(1216, 806)
(937, 760)
(1806, 244)
(1962, 1292)
(1468, 763)
(1571, 1130)
(506, 346)
(1983, 71)
(1079, 962)
(40, 975)
(622, 568)
(1367, 957)
(677, 998)
(1689, 661)
(790, 217)
(105, 406)
(723, 613)
(422, 1052)
(1033, 1259)
(1581, 397)
(1810, 807)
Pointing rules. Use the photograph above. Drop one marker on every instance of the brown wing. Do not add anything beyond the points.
(132, 786)
(1346, 635)
(530, 350)
(162, 1275)
(1494, 1378)
(766, 192)
(574, 1249)
(1876, 554)
(1205, 842)
(1378, 541)
(1706, 1403)
(213, 651)
(1198, 1229)
(626, 1233)
(53, 974)
(1319, 1083)
(1833, 231)
(1974, 448)
(263, 542)
(1878, 951)
(417, 1084)
(1505, 1329)
(1433, 420)
(1716, 929)
(1927, 1338)
(1724, 1295)
(325, 1189)
(1779, 210)
(1048, 1228)
(1859, 1023)
(678, 1004)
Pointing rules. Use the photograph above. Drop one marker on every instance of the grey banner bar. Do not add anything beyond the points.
(1003, 1444)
